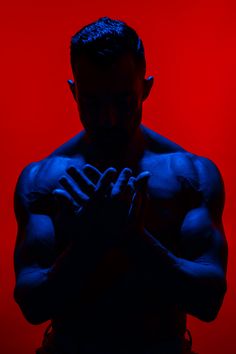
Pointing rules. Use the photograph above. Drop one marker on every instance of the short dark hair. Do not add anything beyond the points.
(106, 40)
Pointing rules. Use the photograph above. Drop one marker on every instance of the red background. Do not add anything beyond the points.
(191, 51)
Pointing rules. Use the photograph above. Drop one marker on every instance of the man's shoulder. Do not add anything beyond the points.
(201, 174)
(181, 160)
(175, 162)
(38, 179)
(47, 169)
(200, 169)
(43, 170)
(205, 170)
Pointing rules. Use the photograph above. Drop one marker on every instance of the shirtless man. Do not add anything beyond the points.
(120, 230)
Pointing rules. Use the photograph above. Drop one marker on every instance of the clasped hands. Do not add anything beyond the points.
(108, 202)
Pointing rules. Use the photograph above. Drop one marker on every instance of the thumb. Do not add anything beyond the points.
(135, 207)
(139, 201)
(141, 181)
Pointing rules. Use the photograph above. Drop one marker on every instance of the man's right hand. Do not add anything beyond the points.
(81, 194)
(102, 204)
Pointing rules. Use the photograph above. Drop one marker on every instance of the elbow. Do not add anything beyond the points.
(33, 313)
(211, 305)
(216, 301)
(207, 316)
(33, 318)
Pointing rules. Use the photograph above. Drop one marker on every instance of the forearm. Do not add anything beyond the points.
(198, 288)
(43, 292)
(201, 288)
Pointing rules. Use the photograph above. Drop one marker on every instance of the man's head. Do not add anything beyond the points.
(108, 64)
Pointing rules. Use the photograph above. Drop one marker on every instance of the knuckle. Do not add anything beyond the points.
(63, 180)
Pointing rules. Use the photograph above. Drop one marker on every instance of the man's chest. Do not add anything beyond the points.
(167, 201)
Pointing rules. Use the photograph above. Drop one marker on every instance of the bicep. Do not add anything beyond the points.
(202, 240)
(35, 235)
(35, 243)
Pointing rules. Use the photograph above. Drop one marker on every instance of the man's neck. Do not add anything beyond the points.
(125, 155)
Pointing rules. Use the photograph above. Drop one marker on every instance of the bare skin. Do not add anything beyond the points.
(116, 246)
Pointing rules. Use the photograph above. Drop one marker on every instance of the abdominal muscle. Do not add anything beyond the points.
(125, 318)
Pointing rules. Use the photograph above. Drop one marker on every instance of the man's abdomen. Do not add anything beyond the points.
(124, 320)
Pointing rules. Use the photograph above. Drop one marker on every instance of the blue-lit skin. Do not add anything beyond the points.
(119, 237)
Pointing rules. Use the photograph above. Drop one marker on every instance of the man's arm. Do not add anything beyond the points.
(47, 284)
(42, 287)
(44, 283)
(196, 281)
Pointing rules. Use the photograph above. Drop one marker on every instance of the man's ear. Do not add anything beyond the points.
(72, 87)
(147, 85)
